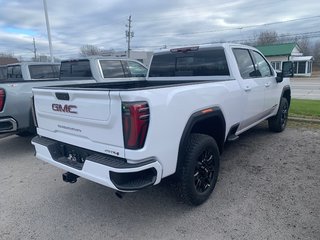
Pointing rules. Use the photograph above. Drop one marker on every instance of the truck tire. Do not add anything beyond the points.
(278, 122)
(198, 173)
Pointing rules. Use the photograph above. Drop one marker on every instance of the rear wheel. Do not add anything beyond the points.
(198, 173)
(278, 122)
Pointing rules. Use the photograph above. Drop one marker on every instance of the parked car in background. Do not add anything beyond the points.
(32, 71)
(103, 69)
(16, 89)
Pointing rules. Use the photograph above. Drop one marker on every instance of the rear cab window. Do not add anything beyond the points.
(193, 62)
(75, 69)
(44, 71)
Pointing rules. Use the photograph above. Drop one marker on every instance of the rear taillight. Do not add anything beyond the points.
(2, 98)
(135, 122)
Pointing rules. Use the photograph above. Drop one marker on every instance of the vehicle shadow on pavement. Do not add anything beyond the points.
(14, 146)
(262, 185)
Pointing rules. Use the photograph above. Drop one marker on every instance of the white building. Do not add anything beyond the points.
(278, 53)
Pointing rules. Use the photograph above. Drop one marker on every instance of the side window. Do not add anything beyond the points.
(14, 73)
(43, 71)
(136, 69)
(3, 73)
(112, 69)
(75, 69)
(261, 65)
(244, 62)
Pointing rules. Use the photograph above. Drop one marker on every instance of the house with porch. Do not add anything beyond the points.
(278, 53)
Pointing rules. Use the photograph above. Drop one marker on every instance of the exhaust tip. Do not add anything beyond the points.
(69, 177)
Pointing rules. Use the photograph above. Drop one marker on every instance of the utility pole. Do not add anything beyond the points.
(34, 50)
(129, 35)
(48, 28)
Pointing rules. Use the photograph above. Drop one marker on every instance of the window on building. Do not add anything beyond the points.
(276, 65)
(302, 67)
(295, 67)
(309, 67)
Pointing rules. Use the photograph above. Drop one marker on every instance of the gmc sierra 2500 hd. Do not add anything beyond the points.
(130, 135)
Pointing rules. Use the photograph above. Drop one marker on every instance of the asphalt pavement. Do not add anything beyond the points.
(268, 188)
(306, 88)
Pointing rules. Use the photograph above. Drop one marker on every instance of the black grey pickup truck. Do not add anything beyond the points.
(16, 86)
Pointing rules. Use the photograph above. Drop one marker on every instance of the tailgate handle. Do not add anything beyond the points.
(63, 96)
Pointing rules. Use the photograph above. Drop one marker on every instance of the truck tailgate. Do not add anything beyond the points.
(88, 119)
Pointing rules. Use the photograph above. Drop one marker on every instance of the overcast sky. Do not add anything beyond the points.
(155, 23)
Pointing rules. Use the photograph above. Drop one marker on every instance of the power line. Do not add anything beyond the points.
(291, 36)
(236, 28)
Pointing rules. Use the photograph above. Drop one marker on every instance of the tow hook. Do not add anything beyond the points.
(69, 177)
(120, 194)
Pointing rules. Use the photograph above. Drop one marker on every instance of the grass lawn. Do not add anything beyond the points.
(305, 108)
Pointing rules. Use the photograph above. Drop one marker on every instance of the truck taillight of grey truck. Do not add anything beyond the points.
(131, 135)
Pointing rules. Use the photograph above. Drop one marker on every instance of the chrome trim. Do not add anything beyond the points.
(13, 123)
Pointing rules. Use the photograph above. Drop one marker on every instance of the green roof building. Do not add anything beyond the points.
(278, 53)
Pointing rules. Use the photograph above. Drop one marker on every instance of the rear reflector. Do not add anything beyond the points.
(135, 122)
(2, 98)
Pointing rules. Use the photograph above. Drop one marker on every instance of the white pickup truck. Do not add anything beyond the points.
(131, 135)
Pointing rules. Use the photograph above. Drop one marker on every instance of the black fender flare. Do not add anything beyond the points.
(285, 89)
(211, 112)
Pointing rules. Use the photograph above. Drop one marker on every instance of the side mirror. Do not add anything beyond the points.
(287, 71)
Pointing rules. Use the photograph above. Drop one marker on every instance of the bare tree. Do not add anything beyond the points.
(7, 55)
(89, 50)
(305, 46)
(267, 37)
(316, 53)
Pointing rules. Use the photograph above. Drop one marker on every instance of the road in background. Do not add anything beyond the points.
(305, 88)
(268, 188)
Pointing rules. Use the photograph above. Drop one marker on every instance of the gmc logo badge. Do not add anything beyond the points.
(64, 108)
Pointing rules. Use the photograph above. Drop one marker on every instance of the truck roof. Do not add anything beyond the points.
(203, 46)
(32, 63)
(99, 58)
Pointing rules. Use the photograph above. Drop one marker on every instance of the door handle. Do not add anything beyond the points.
(247, 88)
(267, 84)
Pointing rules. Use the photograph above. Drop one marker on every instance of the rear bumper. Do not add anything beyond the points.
(107, 170)
(8, 124)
